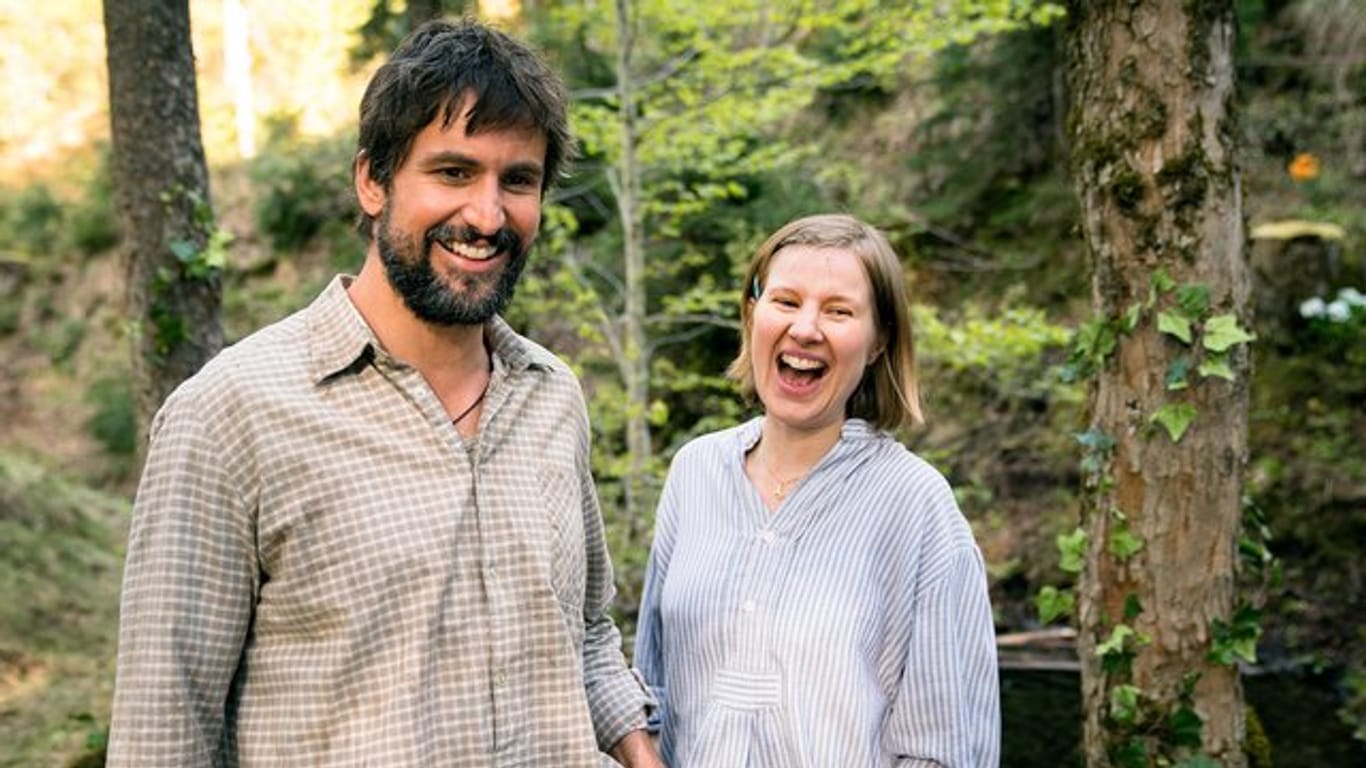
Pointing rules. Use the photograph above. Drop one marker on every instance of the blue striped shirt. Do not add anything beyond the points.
(851, 627)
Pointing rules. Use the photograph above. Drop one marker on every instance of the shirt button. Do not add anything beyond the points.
(747, 606)
(500, 678)
(767, 537)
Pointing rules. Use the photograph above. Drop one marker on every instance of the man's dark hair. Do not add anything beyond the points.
(433, 70)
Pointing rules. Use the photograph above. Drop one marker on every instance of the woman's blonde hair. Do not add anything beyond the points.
(888, 395)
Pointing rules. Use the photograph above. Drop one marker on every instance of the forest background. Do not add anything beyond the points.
(953, 140)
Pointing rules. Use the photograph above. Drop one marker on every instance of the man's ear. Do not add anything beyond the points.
(369, 192)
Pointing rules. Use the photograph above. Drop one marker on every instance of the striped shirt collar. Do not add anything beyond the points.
(340, 341)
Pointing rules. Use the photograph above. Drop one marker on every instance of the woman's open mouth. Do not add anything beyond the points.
(799, 371)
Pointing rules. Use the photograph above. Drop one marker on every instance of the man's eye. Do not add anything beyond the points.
(455, 174)
(521, 181)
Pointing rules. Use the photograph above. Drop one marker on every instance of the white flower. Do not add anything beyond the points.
(1353, 297)
(1313, 307)
(1339, 311)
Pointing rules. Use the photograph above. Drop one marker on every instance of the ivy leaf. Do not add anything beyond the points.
(1123, 543)
(1053, 603)
(1132, 317)
(1162, 282)
(1185, 726)
(1175, 418)
(1176, 325)
(1114, 644)
(1132, 607)
(1178, 374)
(1124, 704)
(1222, 332)
(185, 251)
(1193, 299)
(1072, 550)
(1216, 366)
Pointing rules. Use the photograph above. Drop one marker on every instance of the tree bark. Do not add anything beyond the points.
(1152, 127)
(162, 191)
(635, 362)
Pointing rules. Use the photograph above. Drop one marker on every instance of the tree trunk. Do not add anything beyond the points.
(237, 75)
(1153, 126)
(162, 190)
(635, 365)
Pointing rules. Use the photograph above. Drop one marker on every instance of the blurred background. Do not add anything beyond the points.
(949, 132)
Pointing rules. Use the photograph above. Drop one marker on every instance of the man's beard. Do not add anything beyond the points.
(463, 298)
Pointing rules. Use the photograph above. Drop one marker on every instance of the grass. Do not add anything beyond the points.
(61, 551)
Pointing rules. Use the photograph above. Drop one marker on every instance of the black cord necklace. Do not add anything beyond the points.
(473, 405)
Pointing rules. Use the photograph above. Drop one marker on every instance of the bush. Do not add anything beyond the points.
(30, 219)
(114, 421)
(307, 186)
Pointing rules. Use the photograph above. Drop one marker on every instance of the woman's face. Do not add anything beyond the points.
(812, 334)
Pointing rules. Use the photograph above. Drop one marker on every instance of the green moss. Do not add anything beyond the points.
(1126, 188)
(1184, 181)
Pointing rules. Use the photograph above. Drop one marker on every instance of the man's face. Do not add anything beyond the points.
(456, 223)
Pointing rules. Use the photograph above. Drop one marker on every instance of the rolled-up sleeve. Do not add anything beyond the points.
(617, 699)
(188, 590)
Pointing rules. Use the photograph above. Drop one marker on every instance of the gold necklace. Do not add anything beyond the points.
(782, 486)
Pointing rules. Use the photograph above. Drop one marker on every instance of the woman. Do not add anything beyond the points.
(814, 597)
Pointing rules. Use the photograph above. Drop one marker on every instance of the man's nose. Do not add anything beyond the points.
(484, 210)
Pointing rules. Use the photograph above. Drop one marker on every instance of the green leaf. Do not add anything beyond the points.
(185, 251)
(1176, 325)
(1162, 282)
(1114, 644)
(1178, 374)
(1193, 299)
(1123, 543)
(1132, 317)
(1053, 603)
(1072, 550)
(1216, 366)
(1175, 418)
(1132, 607)
(1223, 332)
(1124, 704)
(1198, 761)
(1185, 726)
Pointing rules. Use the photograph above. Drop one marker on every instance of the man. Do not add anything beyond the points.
(367, 534)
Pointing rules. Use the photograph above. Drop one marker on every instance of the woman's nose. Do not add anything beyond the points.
(805, 327)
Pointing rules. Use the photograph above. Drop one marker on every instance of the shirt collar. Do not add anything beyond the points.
(339, 339)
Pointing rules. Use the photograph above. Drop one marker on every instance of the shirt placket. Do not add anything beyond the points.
(499, 576)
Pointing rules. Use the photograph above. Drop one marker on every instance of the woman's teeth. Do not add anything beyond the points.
(801, 363)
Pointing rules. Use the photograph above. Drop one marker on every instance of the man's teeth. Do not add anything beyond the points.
(469, 251)
(802, 363)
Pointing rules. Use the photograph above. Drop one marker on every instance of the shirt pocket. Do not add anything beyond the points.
(562, 507)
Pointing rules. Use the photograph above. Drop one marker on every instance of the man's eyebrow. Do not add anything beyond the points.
(450, 157)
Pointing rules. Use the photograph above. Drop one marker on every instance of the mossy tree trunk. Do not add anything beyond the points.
(1152, 126)
(162, 191)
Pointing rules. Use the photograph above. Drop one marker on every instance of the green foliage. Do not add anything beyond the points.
(114, 419)
(1072, 550)
(60, 549)
(1053, 603)
(30, 219)
(306, 188)
(92, 223)
(1236, 639)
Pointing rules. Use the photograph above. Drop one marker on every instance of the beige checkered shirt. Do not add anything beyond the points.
(322, 572)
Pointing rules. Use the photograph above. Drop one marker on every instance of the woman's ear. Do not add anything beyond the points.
(369, 192)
